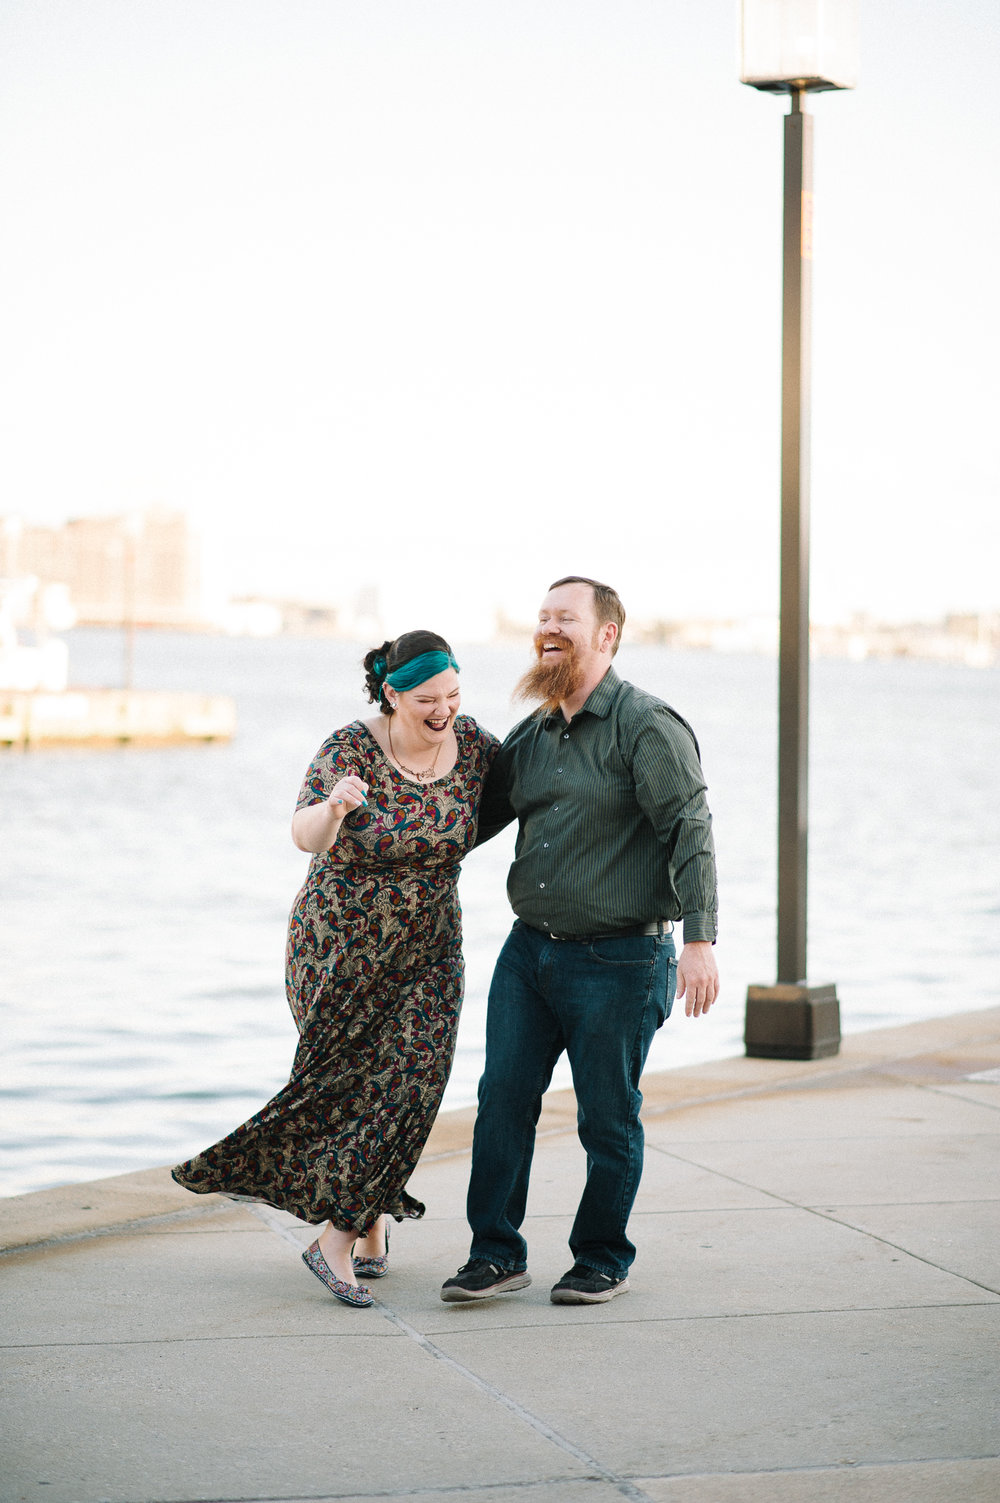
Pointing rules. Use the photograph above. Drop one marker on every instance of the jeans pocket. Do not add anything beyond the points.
(635, 950)
(671, 986)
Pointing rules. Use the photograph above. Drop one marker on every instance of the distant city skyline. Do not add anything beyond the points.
(149, 570)
(445, 301)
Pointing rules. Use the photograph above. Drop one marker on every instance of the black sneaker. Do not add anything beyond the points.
(480, 1279)
(585, 1286)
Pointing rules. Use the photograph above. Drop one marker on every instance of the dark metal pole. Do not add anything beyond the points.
(793, 1019)
(793, 671)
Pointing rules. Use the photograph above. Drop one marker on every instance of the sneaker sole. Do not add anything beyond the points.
(577, 1296)
(453, 1295)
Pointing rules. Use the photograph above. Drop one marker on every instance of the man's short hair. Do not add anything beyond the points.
(607, 605)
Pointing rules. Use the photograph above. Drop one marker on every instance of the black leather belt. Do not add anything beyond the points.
(655, 926)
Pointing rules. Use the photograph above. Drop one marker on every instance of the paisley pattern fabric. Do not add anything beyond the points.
(374, 977)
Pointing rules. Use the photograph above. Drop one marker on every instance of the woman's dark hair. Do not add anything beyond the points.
(394, 654)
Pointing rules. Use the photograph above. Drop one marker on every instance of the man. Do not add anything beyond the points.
(614, 845)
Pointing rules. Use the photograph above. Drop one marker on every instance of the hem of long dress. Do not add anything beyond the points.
(406, 1209)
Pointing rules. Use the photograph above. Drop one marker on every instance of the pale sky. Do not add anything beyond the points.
(457, 295)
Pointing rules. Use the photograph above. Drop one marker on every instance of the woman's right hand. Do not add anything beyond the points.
(349, 793)
(316, 827)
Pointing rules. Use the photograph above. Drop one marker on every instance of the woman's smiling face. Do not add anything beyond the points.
(427, 712)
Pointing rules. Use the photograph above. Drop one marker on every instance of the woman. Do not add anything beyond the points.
(373, 968)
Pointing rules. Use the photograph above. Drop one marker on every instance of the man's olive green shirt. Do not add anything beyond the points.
(613, 825)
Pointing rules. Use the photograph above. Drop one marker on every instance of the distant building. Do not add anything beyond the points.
(144, 568)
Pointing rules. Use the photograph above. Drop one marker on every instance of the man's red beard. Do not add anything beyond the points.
(552, 682)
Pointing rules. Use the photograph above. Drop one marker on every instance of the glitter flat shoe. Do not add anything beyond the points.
(374, 1268)
(348, 1294)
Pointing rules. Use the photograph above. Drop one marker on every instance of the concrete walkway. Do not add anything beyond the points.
(814, 1315)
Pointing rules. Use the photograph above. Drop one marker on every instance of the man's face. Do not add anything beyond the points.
(567, 627)
(567, 642)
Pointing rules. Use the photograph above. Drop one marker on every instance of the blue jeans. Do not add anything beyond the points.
(602, 1003)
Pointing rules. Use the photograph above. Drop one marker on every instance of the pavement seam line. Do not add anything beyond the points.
(906, 1251)
(833, 1468)
(461, 1490)
(809, 1469)
(659, 1320)
(828, 1216)
(621, 1484)
(626, 1488)
(113, 1229)
(953, 1095)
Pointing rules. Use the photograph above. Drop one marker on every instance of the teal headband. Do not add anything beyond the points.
(418, 670)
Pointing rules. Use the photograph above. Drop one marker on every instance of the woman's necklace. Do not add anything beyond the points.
(421, 777)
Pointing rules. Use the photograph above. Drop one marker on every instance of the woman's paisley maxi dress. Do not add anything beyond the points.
(374, 976)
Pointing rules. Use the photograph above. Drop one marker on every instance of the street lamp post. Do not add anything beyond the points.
(795, 47)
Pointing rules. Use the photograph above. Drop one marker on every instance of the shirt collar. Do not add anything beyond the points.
(598, 701)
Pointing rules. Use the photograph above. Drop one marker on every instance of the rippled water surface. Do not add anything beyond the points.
(145, 892)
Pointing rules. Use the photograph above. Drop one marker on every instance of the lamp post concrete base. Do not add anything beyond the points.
(792, 1021)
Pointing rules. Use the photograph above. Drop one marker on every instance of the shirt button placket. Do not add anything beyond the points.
(555, 810)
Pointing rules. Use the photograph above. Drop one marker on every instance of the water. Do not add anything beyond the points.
(145, 892)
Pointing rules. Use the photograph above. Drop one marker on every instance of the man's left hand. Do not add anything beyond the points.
(697, 977)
